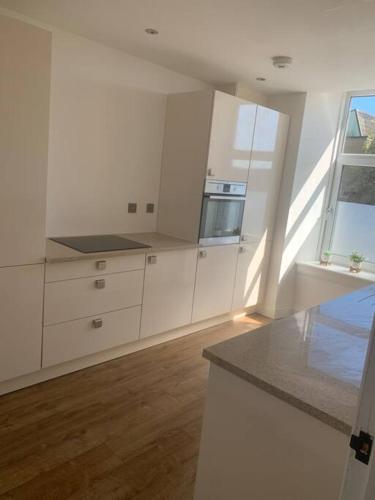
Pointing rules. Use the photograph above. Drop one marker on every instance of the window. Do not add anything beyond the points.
(351, 215)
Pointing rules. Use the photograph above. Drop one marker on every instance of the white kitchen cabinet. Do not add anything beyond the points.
(78, 298)
(168, 290)
(24, 110)
(232, 128)
(251, 274)
(61, 271)
(208, 135)
(21, 309)
(216, 270)
(82, 337)
(266, 166)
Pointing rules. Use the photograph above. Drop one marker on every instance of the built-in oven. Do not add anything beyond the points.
(222, 212)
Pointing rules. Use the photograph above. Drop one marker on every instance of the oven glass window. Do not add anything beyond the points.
(221, 218)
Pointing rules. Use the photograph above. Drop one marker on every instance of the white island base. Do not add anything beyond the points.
(257, 447)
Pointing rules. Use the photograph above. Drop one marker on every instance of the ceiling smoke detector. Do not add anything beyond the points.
(151, 31)
(282, 62)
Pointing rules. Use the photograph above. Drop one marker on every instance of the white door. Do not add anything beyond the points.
(21, 307)
(168, 291)
(216, 271)
(231, 138)
(250, 275)
(359, 479)
(266, 166)
(24, 111)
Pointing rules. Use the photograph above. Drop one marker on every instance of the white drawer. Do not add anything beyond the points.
(92, 267)
(75, 339)
(78, 298)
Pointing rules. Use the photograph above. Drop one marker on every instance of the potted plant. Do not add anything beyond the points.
(325, 258)
(356, 260)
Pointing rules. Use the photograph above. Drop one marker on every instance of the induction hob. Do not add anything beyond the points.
(99, 243)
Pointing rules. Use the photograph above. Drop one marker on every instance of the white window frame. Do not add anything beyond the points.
(341, 159)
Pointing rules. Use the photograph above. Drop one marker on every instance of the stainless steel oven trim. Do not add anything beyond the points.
(224, 197)
(219, 240)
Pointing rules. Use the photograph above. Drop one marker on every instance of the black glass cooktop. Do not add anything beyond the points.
(99, 243)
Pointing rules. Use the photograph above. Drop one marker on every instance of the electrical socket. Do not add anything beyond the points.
(132, 208)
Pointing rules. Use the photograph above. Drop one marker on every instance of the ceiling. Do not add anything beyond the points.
(222, 41)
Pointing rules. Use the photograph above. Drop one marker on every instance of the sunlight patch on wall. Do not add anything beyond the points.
(309, 189)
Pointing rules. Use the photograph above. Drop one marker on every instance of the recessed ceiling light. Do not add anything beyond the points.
(260, 79)
(151, 31)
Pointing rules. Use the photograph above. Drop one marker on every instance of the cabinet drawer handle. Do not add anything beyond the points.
(242, 249)
(202, 254)
(97, 323)
(151, 259)
(100, 284)
(210, 173)
(101, 264)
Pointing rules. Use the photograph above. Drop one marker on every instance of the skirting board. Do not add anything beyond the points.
(103, 356)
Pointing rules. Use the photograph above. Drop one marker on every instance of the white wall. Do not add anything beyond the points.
(315, 285)
(314, 122)
(106, 134)
(294, 106)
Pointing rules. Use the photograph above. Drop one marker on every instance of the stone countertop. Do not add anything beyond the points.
(56, 252)
(313, 360)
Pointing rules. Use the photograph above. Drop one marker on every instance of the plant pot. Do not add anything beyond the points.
(355, 267)
(325, 260)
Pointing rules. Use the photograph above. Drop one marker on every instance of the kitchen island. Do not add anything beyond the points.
(281, 404)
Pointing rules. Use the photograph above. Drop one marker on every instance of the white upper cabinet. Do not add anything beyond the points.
(24, 111)
(232, 129)
(21, 299)
(168, 290)
(214, 284)
(266, 165)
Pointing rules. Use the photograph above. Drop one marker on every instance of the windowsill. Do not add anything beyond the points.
(335, 273)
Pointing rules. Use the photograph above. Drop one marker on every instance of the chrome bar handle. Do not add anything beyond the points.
(97, 323)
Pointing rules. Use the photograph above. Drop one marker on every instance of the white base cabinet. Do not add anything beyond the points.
(21, 310)
(214, 284)
(250, 275)
(75, 339)
(168, 291)
(79, 298)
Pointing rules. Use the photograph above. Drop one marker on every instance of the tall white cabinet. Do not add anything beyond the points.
(266, 167)
(231, 137)
(21, 304)
(208, 134)
(24, 110)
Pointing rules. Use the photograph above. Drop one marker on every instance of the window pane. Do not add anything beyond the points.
(355, 213)
(360, 131)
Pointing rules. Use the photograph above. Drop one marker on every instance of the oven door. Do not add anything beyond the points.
(221, 219)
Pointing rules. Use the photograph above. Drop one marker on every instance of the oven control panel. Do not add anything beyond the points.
(223, 187)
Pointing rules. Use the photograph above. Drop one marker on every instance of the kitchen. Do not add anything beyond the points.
(141, 205)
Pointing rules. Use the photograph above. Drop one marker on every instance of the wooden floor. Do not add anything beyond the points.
(125, 429)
